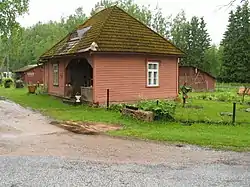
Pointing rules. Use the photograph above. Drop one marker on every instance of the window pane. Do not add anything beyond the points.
(149, 78)
(155, 75)
(155, 78)
(55, 74)
(150, 66)
(149, 81)
(155, 66)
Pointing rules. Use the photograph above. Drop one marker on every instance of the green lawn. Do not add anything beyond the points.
(211, 111)
(216, 136)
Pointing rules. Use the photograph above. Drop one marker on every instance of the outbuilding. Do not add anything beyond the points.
(31, 74)
(198, 79)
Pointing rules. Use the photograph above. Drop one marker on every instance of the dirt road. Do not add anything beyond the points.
(27, 133)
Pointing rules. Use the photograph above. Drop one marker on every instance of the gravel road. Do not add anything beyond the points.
(35, 153)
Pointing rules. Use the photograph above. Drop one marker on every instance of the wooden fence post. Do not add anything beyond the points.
(234, 113)
(107, 99)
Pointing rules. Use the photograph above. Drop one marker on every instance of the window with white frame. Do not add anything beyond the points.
(153, 74)
(55, 74)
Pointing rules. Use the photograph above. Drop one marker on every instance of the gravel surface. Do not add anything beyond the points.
(35, 153)
(50, 171)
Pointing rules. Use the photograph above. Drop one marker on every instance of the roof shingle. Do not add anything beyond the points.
(113, 30)
(26, 68)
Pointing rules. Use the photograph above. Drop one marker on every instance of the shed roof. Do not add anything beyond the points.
(26, 68)
(190, 66)
(113, 30)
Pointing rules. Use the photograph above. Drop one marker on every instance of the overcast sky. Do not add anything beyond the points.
(215, 17)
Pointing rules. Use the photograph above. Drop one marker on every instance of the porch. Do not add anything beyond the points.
(79, 79)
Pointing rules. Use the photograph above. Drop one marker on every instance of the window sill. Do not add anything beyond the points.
(152, 86)
(56, 85)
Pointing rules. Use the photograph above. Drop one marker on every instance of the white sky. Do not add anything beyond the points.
(215, 17)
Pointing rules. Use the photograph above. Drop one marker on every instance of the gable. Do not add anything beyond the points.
(190, 71)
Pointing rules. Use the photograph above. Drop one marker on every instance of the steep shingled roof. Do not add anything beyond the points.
(113, 30)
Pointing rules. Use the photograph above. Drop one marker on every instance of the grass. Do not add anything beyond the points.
(211, 112)
(225, 137)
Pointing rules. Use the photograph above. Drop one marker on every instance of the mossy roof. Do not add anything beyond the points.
(114, 30)
(26, 68)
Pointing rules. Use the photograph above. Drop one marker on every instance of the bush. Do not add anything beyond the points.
(19, 84)
(223, 96)
(116, 107)
(163, 110)
(7, 82)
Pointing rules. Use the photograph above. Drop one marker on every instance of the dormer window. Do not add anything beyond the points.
(74, 36)
(78, 34)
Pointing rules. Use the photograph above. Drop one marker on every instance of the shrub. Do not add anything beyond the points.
(223, 96)
(116, 107)
(163, 110)
(7, 82)
(19, 83)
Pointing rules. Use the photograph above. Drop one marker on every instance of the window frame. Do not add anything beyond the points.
(157, 63)
(53, 73)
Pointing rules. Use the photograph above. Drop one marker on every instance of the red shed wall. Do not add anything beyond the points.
(188, 74)
(34, 75)
(211, 82)
(126, 78)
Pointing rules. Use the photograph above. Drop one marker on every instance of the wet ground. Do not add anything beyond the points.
(35, 153)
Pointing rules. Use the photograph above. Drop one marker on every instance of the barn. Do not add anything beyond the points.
(198, 79)
(30, 74)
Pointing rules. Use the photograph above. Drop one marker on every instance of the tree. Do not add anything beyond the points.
(192, 37)
(179, 31)
(28, 44)
(161, 24)
(9, 11)
(236, 43)
(213, 60)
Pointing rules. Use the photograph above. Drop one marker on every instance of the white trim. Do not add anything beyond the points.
(153, 71)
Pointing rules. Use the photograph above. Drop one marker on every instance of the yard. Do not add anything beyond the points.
(200, 132)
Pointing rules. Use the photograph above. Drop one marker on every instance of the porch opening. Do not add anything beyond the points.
(79, 79)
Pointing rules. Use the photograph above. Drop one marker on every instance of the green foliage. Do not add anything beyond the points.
(236, 44)
(7, 82)
(163, 110)
(217, 136)
(192, 37)
(221, 96)
(116, 107)
(10, 10)
(213, 60)
(28, 44)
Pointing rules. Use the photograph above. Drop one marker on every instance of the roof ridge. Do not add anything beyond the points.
(103, 24)
(90, 17)
(151, 29)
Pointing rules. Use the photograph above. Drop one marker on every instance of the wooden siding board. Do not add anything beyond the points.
(125, 76)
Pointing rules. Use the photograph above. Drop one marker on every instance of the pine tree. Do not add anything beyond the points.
(236, 43)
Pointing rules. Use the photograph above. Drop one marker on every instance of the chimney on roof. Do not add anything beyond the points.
(99, 8)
